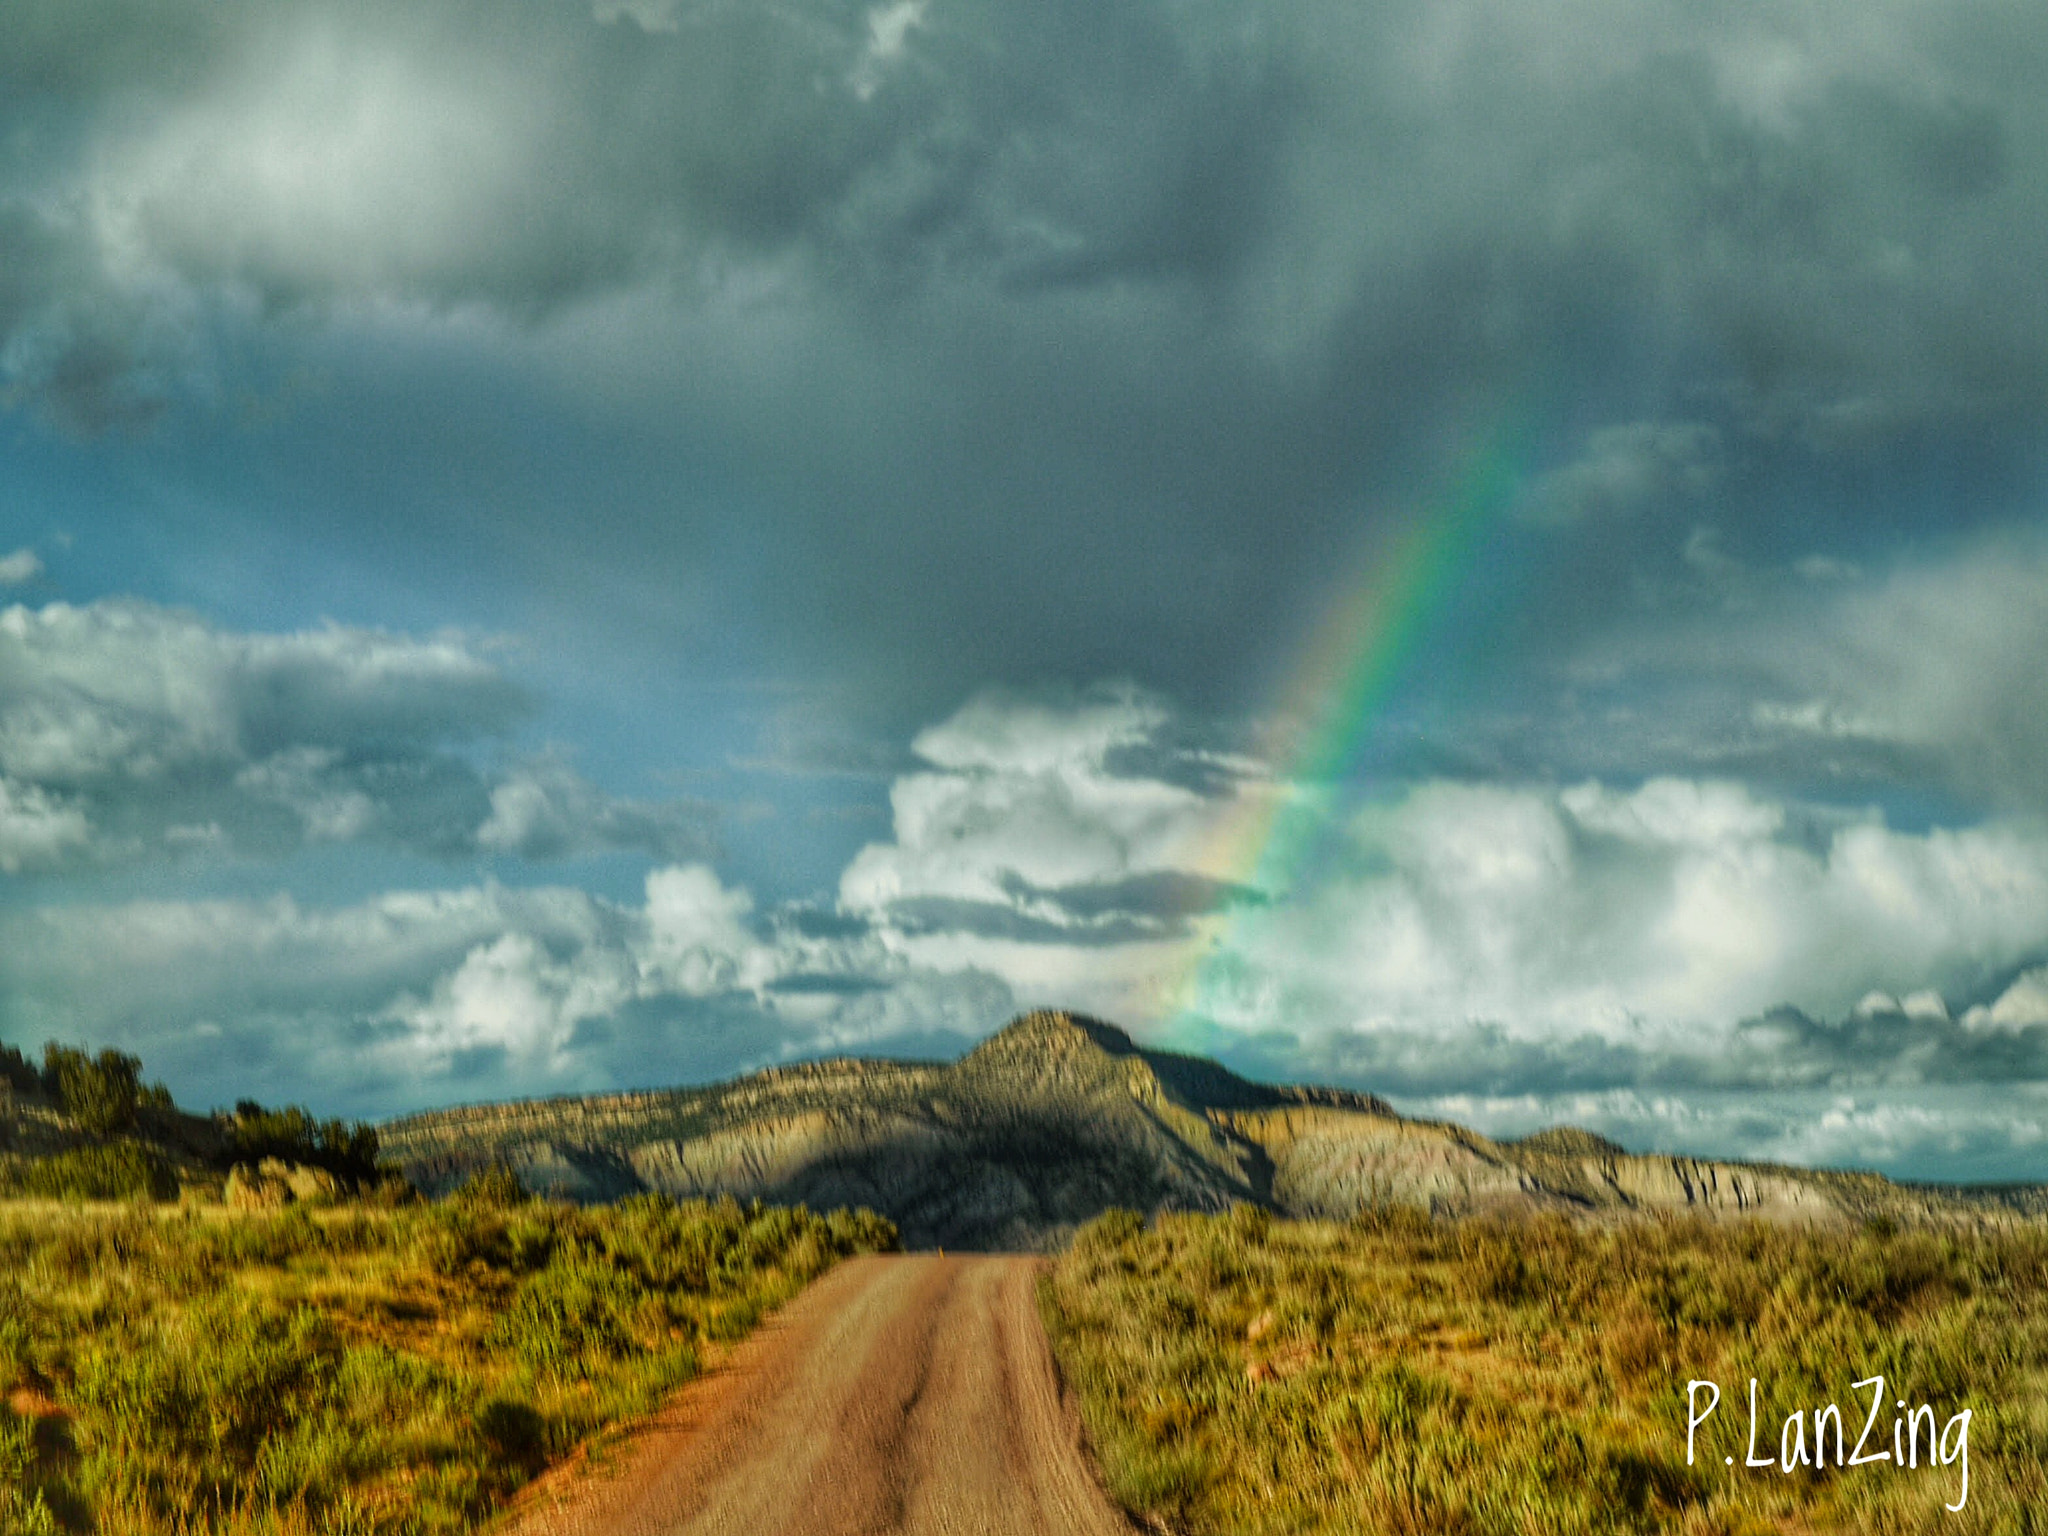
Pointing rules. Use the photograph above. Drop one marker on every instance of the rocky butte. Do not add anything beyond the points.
(1060, 1117)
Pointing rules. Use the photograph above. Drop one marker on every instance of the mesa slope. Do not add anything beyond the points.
(1058, 1118)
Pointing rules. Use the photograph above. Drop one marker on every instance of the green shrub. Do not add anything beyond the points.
(571, 1317)
(1526, 1378)
(17, 1072)
(273, 1238)
(122, 1170)
(349, 1151)
(17, 1358)
(495, 1188)
(514, 1431)
(17, 1451)
(1109, 1232)
(363, 1372)
(23, 1511)
(528, 1244)
(458, 1233)
(860, 1230)
(101, 1095)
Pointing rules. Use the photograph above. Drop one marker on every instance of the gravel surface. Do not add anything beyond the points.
(902, 1393)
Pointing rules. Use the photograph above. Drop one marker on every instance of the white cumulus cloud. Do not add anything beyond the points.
(1691, 961)
(36, 829)
(2023, 1005)
(1676, 907)
(416, 997)
(1021, 794)
(125, 725)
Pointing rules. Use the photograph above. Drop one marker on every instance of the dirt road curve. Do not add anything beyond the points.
(910, 1394)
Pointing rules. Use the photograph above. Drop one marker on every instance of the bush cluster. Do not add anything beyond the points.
(102, 1093)
(134, 1125)
(346, 1150)
(358, 1370)
(120, 1170)
(17, 1072)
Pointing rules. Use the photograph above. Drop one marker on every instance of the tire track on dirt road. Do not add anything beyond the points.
(910, 1394)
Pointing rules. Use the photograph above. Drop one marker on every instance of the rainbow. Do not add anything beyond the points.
(1336, 692)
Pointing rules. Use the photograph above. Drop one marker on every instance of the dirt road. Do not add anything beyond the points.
(910, 1394)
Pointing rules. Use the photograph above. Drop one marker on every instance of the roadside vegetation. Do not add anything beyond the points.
(241, 1323)
(1401, 1375)
(357, 1370)
(87, 1127)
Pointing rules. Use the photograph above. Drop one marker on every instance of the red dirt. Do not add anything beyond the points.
(901, 1394)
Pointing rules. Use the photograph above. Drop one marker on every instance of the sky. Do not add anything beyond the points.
(1491, 553)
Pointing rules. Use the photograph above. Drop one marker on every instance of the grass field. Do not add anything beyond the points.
(1400, 1375)
(356, 1370)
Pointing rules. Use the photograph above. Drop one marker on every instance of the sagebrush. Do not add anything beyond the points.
(1528, 1377)
(357, 1370)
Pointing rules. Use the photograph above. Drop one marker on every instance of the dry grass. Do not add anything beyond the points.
(356, 1370)
(1399, 1375)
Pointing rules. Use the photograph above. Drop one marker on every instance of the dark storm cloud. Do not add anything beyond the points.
(1139, 908)
(945, 915)
(1780, 1051)
(809, 984)
(1916, 679)
(72, 343)
(1038, 337)
(1167, 896)
(452, 152)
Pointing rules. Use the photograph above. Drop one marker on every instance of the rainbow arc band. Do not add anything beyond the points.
(1352, 664)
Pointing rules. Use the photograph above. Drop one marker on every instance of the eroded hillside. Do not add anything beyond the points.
(1059, 1117)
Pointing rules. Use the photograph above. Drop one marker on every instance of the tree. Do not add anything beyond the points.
(346, 1150)
(16, 1072)
(101, 1095)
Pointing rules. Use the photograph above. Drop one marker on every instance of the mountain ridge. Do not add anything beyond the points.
(1059, 1116)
